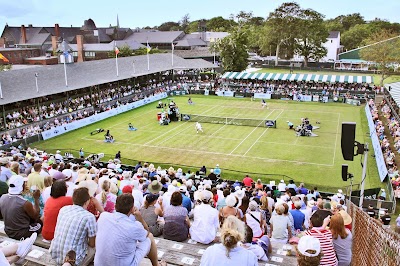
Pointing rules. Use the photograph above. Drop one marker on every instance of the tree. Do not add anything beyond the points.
(193, 26)
(220, 24)
(233, 50)
(355, 36)
(384, 50)
(169, 26)
(184, 22)
(309, 41)
(345, 22)
(282, 27)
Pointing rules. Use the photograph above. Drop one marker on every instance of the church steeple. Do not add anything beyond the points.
(117, 22)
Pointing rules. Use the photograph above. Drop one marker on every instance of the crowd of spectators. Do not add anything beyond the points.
(243, 220)
(73, 108)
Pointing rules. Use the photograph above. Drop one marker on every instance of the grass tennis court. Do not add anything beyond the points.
(313, 160)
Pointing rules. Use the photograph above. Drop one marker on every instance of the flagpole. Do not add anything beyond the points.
(116, 63)
(1, 92)
(148, 58)
(36, 78)
(172, 57)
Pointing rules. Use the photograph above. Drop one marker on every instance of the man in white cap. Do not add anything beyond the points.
(309, 248)
(217, 171)
(338, 196)
(18, 212)
(69, 182)
(137, 194)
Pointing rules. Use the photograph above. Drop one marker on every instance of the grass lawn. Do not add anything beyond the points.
(377, 77)
(313, 160)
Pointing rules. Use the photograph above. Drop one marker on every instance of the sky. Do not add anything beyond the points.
(141, 13)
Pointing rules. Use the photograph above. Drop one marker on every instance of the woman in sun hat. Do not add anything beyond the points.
(342, 240)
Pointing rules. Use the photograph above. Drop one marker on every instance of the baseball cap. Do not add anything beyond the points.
(127, 189)
(309, 246)
(16, 184)
(183, 188)
(150, 198)
(59, 176)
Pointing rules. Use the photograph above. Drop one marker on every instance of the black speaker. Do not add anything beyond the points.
(345, 168)
(348, 136)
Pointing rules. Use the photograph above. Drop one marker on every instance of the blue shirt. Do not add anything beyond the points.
(186, 202)
(298, 218)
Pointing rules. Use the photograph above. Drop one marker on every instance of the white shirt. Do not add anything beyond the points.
(205, 225)
(138, 198)
(216, 255)
(124, 183)
(254, 225)
(71, 188)
(257, 250)
(282, 187)
(46, 194)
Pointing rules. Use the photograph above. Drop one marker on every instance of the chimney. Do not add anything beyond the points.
(57, 30)
(54, 44)
(23, 34)
(2, 43)
(79, 44)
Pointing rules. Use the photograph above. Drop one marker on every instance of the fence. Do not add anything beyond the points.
(372, 244)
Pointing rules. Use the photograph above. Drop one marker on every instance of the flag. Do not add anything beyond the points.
(4, 59)
(116, 50)
(173, 46)
(148, 48)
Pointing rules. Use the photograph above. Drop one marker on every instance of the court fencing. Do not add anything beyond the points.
(372, 244)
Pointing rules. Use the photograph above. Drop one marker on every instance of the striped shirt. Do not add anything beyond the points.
(74, 226)
(325, 238)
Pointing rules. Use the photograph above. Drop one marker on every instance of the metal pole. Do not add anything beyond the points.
(36, 80)
(65, 71)
(1, 92)
(363, 175)
(116, 63)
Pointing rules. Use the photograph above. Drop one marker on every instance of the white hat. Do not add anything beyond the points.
(217, 165)
(205, 195)
(237, 188)
(67, 172)
(282, 181)
(340, 191)
(309, 243)
(311, 203)
(183, 188)
(239, 194)
(16, 184)
(230, 200)
(58, 151)
(383, 190)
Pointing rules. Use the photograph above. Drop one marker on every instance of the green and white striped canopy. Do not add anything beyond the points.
(299, 77)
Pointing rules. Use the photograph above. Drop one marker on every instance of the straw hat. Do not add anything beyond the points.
(154, 187)
(90, 185)
(346, 217)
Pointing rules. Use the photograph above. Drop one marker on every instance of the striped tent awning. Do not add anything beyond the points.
(298, 77)
(394, 90)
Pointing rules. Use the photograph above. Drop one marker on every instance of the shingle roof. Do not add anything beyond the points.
(333, 34)
(155, 36)
(19, 85)
(195, 53)
(189, 42)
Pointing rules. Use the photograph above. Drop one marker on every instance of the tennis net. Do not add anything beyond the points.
(229, 120)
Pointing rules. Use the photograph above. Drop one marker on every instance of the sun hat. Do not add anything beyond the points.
(155, 187)
(59, 176)
(90, 185)
(346, 217)
(4, 161)
(230, 200)
(16, 184)
(253, 205)
(309, 246)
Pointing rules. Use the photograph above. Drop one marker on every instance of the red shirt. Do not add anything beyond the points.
(51, 210)
(247, 181)
(325, 238)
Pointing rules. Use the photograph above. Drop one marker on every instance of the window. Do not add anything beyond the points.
(75, 54)
(90, 54)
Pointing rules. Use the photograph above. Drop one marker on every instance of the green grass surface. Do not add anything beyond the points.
(377, 77)
(313, 160)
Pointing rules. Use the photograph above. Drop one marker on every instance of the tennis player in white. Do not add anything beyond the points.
(199, 128)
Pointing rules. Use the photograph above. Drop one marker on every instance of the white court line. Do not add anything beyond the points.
(298, 145)
(337, 134)
(250, 133)
(261, 135)
(297, 139)
(210, 152)
(177, 127)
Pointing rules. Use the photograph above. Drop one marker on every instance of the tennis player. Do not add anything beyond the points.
(263, 103)
(199, 127)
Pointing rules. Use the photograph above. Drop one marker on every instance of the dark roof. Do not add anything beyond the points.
(156, 36)
(333, 34)
(19, 85)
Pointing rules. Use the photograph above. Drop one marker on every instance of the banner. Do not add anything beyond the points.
(225, 93)
(354, 102)
(262, 96)
(51, 133)
(380, 160)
